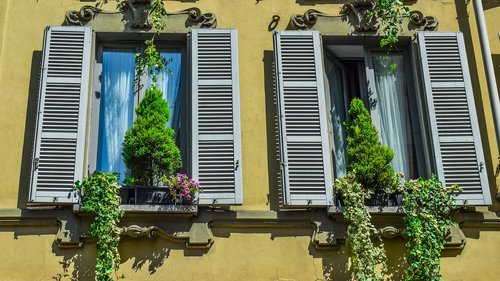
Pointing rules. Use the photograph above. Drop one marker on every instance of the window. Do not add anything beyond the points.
(423, 108)
(119, 91)
(80, 127)
(383, 81)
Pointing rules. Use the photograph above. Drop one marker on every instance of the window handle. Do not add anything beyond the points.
(481, 166)
(236, 165)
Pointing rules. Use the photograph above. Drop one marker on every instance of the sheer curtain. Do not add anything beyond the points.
(393, 109)
(116, 108)
(170, 83)
(338, 116)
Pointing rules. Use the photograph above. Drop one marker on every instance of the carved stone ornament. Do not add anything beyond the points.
(361, 10)
(307, 20)
(356, 17)
(389, 232)
(135, 15)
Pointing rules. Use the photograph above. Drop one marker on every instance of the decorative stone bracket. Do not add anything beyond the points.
(133, 15)
(356, 17)
(198, 237)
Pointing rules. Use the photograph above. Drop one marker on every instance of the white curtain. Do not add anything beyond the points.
(338, 116)
(116, 108)
(169, 82)
(392, 106)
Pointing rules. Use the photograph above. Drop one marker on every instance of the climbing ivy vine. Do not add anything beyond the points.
(100, 196)
(427, 206)
(390, 14)
(365, 255)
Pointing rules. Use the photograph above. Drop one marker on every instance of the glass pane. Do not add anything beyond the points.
(116, 108)
(338, 116)
(169, 82)
(392, 106)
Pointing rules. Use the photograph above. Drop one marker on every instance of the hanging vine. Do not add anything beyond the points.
(427, 206)
(390, 14)
(365, 256)
(100, 196)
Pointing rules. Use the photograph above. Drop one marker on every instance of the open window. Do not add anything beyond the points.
(419, 96)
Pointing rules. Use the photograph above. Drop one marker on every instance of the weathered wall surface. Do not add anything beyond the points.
(30, 253)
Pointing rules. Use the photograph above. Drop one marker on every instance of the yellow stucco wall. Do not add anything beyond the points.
(29, 253)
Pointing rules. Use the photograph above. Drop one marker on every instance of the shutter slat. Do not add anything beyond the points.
(216, 126)
(452, 115)
(307, 172)
(60, 136)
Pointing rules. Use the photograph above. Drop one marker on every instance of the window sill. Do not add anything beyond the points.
(184, 210)
(386, 210)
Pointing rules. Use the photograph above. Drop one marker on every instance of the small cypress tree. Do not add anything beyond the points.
(149, 148)
(368, 158)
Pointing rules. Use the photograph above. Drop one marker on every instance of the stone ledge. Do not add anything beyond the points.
(174, 210)
(388, 210)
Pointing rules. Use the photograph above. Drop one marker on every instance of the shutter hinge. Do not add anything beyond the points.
(283, 163)
(36, 162)
(236, 165)
(481, 166)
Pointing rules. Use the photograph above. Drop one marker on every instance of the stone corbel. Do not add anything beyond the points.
(65, 237)
(199, 236)
(389, 232)
(456, 239)
(323, 238)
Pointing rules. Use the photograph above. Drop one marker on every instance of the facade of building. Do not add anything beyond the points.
(261, 90)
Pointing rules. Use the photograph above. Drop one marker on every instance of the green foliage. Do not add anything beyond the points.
(100, 195)
(152, 62)
(390, 14)
(427, 206)
(149, 148)
(156, 12)
(368, 159)
(365, 256)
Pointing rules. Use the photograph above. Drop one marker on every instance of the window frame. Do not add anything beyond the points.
(140, 86)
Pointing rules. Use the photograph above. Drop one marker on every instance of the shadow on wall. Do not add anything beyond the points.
(490, 4)
(143, 254)
(275, 188)
(396, 258)
(78, 264)
(29, 130)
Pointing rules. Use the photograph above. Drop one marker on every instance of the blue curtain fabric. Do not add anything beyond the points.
(116, 108)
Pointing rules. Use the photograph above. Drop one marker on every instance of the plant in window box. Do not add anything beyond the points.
(149, 148)
(182, 188)
(368, 158)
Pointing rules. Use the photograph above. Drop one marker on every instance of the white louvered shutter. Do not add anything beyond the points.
(62, 111)
(307, 172)
(454, 127)
(216, 137)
